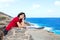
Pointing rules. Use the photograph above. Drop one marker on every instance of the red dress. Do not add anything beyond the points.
(13, 23)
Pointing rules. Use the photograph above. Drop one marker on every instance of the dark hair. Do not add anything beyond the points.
(21, 14)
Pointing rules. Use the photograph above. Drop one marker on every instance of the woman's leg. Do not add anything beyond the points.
(6, 30)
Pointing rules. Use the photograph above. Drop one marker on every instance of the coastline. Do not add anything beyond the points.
(30, 34)
(40, 34)
(49, 29)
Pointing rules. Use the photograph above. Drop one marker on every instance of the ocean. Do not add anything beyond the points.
(51, 24)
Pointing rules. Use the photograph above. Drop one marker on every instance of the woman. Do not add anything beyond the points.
(16, 22)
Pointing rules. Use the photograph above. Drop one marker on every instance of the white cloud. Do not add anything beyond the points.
(4, 1)
(4, 5)
(50, 10)
(34, 6)
(57, 3)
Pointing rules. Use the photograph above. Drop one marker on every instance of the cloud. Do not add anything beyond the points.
(50, 10)
(57, 3)
(4, 5)
(34, 6)
(4, 1)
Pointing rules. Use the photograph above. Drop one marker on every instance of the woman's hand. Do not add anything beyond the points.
(23, 20)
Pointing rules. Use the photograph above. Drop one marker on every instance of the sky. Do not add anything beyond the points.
(32, 8)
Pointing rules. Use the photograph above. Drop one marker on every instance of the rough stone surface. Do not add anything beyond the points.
(40, 34)
(30, 34)
(17, 34)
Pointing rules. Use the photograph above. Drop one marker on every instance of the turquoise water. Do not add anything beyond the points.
(53, 23)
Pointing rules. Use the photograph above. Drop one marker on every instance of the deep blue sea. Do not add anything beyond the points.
(53, 23)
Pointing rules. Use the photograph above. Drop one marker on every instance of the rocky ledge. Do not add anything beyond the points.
(18, 34)
(30, 34)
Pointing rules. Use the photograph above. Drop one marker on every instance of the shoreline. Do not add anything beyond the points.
(50, 29)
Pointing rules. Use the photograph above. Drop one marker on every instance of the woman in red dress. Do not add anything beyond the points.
(16, 22)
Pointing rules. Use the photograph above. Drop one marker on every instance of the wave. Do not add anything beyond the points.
(56, 32)
(34, 25)
(39, 26)
(48, 28)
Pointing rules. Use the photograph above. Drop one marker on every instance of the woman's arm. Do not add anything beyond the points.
(21, 25)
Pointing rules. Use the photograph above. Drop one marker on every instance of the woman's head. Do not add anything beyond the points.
(22, 15)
